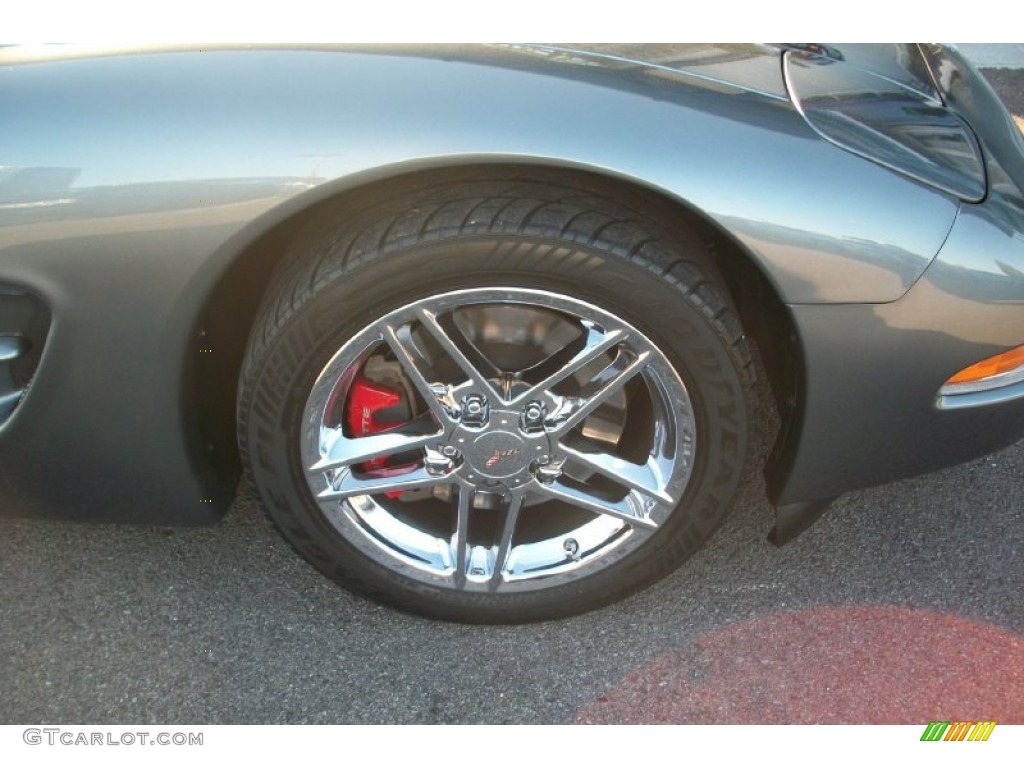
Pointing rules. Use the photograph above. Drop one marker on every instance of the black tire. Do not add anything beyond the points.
(597, 257)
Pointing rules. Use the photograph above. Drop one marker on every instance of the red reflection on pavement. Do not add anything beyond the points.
(830, 665)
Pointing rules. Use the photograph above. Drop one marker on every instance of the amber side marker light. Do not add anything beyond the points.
(993, 372)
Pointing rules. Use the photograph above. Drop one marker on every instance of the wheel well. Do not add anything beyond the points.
(211, 379)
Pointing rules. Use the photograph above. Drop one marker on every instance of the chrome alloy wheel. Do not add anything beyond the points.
(547, 439)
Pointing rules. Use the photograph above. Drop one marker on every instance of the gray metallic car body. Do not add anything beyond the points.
(144, 197)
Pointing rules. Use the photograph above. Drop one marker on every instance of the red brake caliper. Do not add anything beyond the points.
(367, 399)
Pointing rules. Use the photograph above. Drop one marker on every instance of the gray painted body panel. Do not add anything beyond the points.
(130, 183)
(154, 126)
(870, 413)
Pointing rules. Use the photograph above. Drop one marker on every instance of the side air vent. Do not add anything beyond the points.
(24, 324)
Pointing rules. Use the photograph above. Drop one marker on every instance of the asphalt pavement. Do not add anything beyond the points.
(902, 604)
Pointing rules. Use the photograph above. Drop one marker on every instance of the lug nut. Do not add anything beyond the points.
(437, 468)
(436, 463)
(548, 473)
(533, 415)
(474, 410)
(450, 451)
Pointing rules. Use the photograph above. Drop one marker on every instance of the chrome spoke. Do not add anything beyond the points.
(629, 508)
(597, 343)
(508, 530)
(404, 350)
(555, 360)
(345, 451)
(609, 381)
(460, 539)
(429, 320)
(645, 478)
(349, 485)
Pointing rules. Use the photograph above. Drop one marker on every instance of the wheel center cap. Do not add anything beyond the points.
(498, 454)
